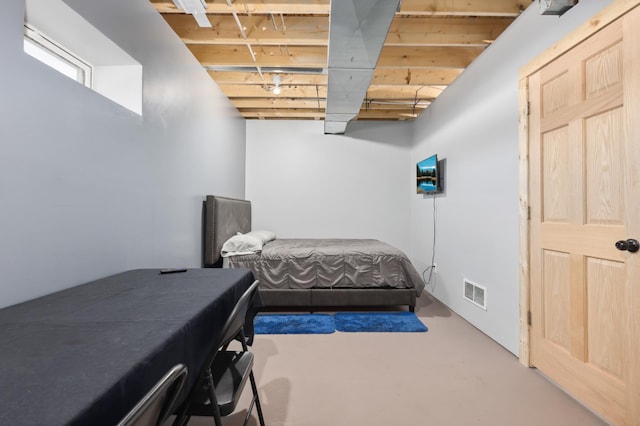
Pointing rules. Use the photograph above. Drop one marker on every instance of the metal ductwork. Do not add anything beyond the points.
(357, 31)
(197, 8)
(555, 7)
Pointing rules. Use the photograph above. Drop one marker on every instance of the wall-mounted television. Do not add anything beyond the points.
(427, 176)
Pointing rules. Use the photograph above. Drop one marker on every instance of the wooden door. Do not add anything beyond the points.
(584, 192)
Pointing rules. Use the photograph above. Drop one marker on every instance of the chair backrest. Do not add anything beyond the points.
(154, 408)
(236, 319)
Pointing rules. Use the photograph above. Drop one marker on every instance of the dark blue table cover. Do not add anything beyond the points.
(86, 355)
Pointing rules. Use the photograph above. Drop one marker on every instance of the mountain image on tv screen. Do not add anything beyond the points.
(427, 175)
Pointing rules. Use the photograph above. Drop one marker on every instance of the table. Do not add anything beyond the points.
(87, 354)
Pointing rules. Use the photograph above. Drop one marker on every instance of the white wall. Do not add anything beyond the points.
(304, 183)
(474, 125)
(88, 188)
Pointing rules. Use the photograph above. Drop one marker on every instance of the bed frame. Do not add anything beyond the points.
(224, 217)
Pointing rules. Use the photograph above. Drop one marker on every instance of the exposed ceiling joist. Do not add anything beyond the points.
(322, 7)
(314, 30)
(428, 44)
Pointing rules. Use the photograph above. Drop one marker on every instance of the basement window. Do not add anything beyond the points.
(61, 38)
(47, 51)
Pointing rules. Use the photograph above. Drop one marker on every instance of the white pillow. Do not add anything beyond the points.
(263, 235)
(248, 243)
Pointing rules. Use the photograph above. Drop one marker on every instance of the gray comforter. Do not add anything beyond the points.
(330, 263)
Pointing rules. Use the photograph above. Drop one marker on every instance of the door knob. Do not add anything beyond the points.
(629, 245)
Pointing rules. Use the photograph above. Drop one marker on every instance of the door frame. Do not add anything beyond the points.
(603, 18)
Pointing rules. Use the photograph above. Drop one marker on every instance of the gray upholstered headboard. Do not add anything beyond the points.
(223, 218)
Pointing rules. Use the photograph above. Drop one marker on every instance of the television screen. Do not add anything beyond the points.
(427, 175)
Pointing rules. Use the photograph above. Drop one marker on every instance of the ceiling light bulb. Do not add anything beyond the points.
(276, 83)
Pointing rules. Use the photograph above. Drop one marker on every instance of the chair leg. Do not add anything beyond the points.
(213, 400)
(254, 388)
(181, 418)
(249, 411)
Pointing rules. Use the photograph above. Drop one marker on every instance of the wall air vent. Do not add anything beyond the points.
(475, 294)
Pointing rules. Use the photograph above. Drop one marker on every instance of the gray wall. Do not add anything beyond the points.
(304, 183)
(88, 188)
(474, 125)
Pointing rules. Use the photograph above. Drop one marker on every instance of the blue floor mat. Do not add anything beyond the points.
(378, 322)
(294, 324)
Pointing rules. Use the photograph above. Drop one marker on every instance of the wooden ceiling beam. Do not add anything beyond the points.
(464, 7)
(427, 57)
(293, 114)
(266, 91)
(403, 92)
(299, 7)
(240, 77)
(316, 56)
(319, 105)
(420, 76)
(396, 114)
(281, 114)
(394, 106)
(383, 76)
(439, 31)
(279, 103)
(320, 92)
(259, 29)
(314, 7)
(269, 56)
(392, 114)
(314, 31)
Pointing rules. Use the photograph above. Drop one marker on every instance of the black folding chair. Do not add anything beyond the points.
(154, 408)
(226, 373)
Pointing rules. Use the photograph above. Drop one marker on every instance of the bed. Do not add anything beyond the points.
(308, 273)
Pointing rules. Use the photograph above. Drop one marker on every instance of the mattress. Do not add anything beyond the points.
(330, 264)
